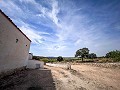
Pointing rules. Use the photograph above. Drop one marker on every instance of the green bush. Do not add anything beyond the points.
(36, 57)
(92, 56)
(60, 58)
(115, 55)
(52, 60)
(46, 60)
(116, 59)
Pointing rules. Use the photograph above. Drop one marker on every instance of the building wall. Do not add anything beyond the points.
(30, 56)
(32, 64)
(14, 46)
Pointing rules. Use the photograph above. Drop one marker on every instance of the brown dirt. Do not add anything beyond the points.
(80, 77)
(83, 77)
(28, 80)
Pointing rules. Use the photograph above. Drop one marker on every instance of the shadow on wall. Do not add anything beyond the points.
(28, 80)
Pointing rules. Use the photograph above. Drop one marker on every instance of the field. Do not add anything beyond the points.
(80, 77)
(86, 77)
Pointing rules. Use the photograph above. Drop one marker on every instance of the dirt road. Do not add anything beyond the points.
(84, 77)
(81, 77)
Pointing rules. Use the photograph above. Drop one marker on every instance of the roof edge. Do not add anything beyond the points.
(14, 24)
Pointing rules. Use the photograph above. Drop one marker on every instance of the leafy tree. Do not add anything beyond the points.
(82, 53)
(114, 54)
(92, 56)
(60, 58)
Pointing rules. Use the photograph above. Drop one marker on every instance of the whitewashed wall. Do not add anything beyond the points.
(30, 56)
(14, 46)
(32, 64)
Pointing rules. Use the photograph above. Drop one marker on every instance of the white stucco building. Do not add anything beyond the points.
(14, 45)
(34, 64)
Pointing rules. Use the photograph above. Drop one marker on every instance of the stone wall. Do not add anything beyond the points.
(63, 65)
(104, 65)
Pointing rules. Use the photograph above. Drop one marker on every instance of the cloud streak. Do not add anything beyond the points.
(58, 27)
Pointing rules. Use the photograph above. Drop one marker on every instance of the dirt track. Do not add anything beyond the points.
(81, 77)
(84, 77)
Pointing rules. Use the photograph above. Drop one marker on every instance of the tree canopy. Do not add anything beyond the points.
(60, 58)
(92, 56)
(114, 54)
(84, 52)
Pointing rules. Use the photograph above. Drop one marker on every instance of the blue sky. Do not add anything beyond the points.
(60, 27)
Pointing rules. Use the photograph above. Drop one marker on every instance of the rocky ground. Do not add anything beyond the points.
(80, 77)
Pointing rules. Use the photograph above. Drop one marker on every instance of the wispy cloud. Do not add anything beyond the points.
(35, 36)
(60, 27)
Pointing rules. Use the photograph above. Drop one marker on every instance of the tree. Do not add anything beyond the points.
(82, 53)
(92, 56)
(60, 58)
(115, 55)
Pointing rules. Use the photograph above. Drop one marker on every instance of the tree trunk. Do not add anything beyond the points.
(82, 59)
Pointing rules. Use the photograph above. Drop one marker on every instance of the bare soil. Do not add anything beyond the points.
(80, 77)
(85, 77)
(28, 80)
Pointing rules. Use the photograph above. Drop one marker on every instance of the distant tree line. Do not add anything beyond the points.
(48, 59)
(84, 53)
(38, 57)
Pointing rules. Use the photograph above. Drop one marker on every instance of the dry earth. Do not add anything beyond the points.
(81, 77)
(85, 77)
(28, 80)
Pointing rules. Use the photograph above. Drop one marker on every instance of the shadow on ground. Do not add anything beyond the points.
(28, 80)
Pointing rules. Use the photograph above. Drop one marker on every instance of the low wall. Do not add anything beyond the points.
(104, 65)
(63, 65)
(57, 65)
(32, 64)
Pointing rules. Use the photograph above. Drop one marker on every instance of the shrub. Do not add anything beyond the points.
(115, 55)
(36, 57)
(60, 58)
(92, 55)
(46, 60)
